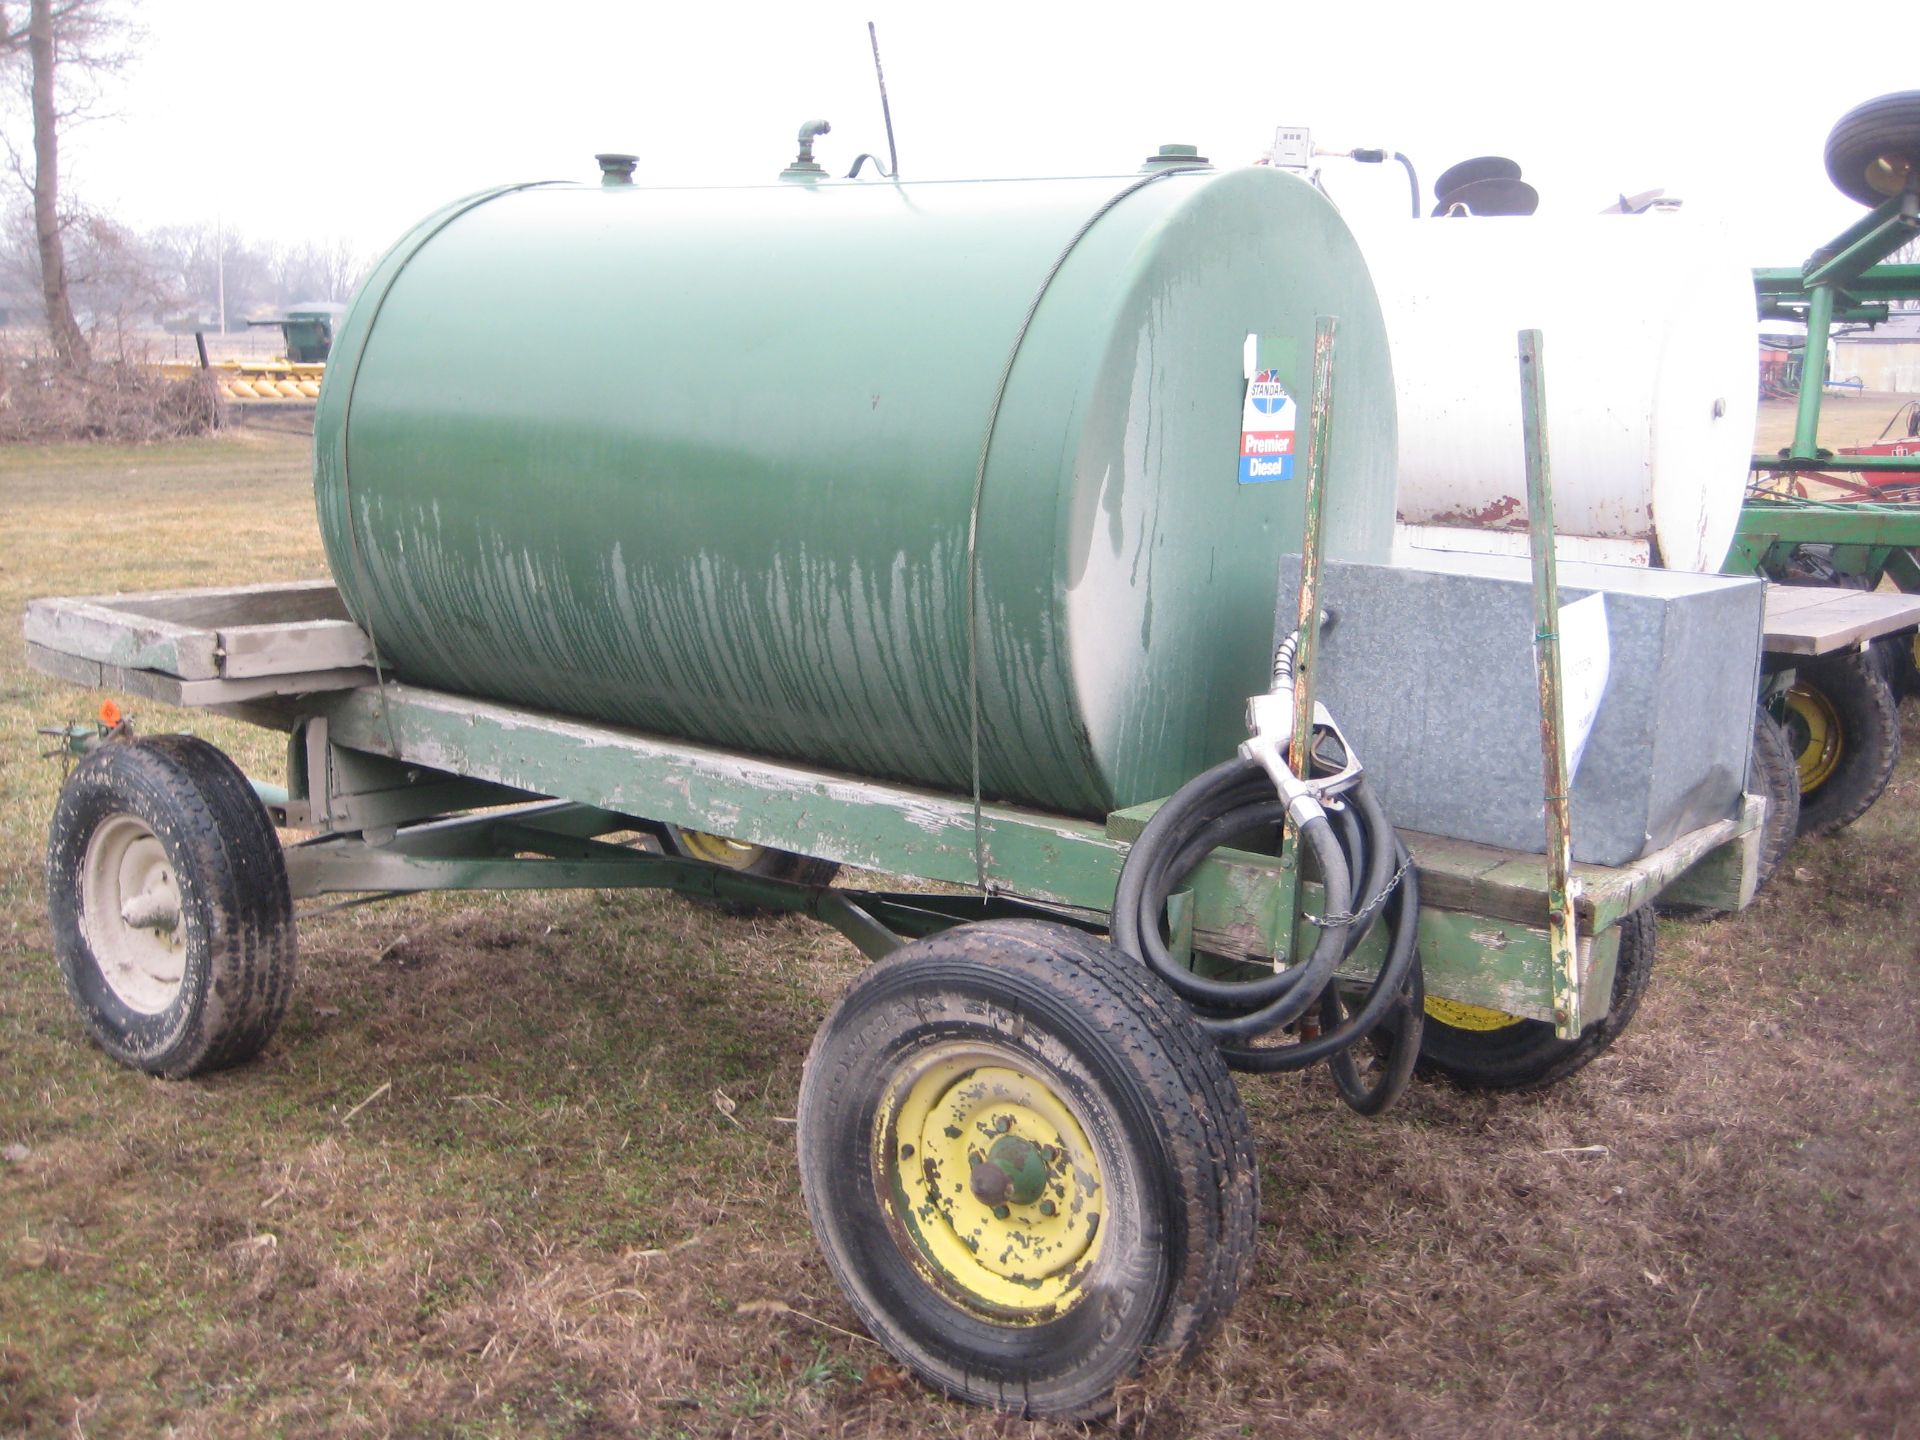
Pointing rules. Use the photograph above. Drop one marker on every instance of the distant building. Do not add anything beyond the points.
(1886, 357)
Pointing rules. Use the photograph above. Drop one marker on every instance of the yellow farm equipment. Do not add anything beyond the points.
(257, 379)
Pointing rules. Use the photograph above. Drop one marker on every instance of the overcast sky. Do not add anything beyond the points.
(353, 118)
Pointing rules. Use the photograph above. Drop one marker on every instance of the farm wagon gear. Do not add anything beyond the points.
(1016, 1142)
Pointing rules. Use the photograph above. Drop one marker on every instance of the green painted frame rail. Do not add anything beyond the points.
(411, 789)
(1870, 539)
(1484, 936)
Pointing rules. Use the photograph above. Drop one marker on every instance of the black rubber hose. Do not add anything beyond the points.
(1229, 800)
(1217, 805)
(1389, 986)
(1413, 182)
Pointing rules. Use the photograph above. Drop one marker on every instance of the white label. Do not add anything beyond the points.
(1586, 660)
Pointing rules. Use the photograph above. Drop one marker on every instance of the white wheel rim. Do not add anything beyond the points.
(130, 914)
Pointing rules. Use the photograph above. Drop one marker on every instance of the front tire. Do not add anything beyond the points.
(167, 895)
(1027, 1166)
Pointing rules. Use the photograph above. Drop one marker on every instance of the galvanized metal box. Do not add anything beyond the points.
(1430, 673)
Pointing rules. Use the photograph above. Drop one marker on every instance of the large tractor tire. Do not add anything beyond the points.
(1845, 729)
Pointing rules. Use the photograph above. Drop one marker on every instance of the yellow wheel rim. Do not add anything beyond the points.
(1817, 736)
(718, 850)
(1462, 1016)
(991, 1186)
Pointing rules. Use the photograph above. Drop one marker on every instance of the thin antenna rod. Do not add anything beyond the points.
(886, 111)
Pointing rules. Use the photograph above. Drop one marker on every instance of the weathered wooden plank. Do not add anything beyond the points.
(292, 647)
(235, 631)
(212, 607)
(85, 628)
(1723, 879)
(1454, 875)
(1817, 620)
(171, 690)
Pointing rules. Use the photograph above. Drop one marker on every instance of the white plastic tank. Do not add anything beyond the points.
(1651, 373)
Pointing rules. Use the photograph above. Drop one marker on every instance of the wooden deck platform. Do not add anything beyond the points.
(1819, 619)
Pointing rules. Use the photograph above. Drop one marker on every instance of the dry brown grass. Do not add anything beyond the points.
(545, 1225)
(117, 401)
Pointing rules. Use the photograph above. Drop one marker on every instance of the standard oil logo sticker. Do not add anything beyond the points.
(1267, 424)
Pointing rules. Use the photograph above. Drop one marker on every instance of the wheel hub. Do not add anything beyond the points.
(1813, 724)
(719, 850)
(996, 1191)
(130, 913)
(1462, 1016)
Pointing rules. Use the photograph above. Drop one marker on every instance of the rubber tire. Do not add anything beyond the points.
(226, 861)
(1889, 124)
(1156, 1097)
(1898, 662)
(1772, 772)
(1857, 688)
(771, 864)
(1528, 1055)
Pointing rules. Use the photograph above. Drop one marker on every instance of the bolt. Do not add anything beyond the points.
(1047, 1207)
(999, 1212)
(1002, 1124)
(906, 1152)
(990, 1184)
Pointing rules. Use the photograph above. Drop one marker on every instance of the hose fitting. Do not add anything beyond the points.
(1365, 876)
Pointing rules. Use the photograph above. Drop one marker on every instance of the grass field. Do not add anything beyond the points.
(523, 1166)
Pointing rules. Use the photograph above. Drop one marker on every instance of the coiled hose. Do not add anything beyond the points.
(1354, 839)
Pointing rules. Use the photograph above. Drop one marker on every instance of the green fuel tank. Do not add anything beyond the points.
(709, 463)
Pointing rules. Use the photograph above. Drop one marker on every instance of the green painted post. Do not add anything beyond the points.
(1813, 373)
(1562, 893)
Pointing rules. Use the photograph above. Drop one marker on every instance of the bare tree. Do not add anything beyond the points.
(196, 257)
(69, 45)
(318, 270)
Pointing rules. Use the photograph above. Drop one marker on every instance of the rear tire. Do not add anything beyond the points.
(746, 859)
(1874, 146)
(1135, 1230)
(1527, 1055)
(167, 895)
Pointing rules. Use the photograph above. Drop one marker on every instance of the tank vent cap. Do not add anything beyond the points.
(1168, 157)
(805, 168)
(617, 169)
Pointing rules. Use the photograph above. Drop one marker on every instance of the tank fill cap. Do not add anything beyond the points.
(617, 169)
(1168, 157)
